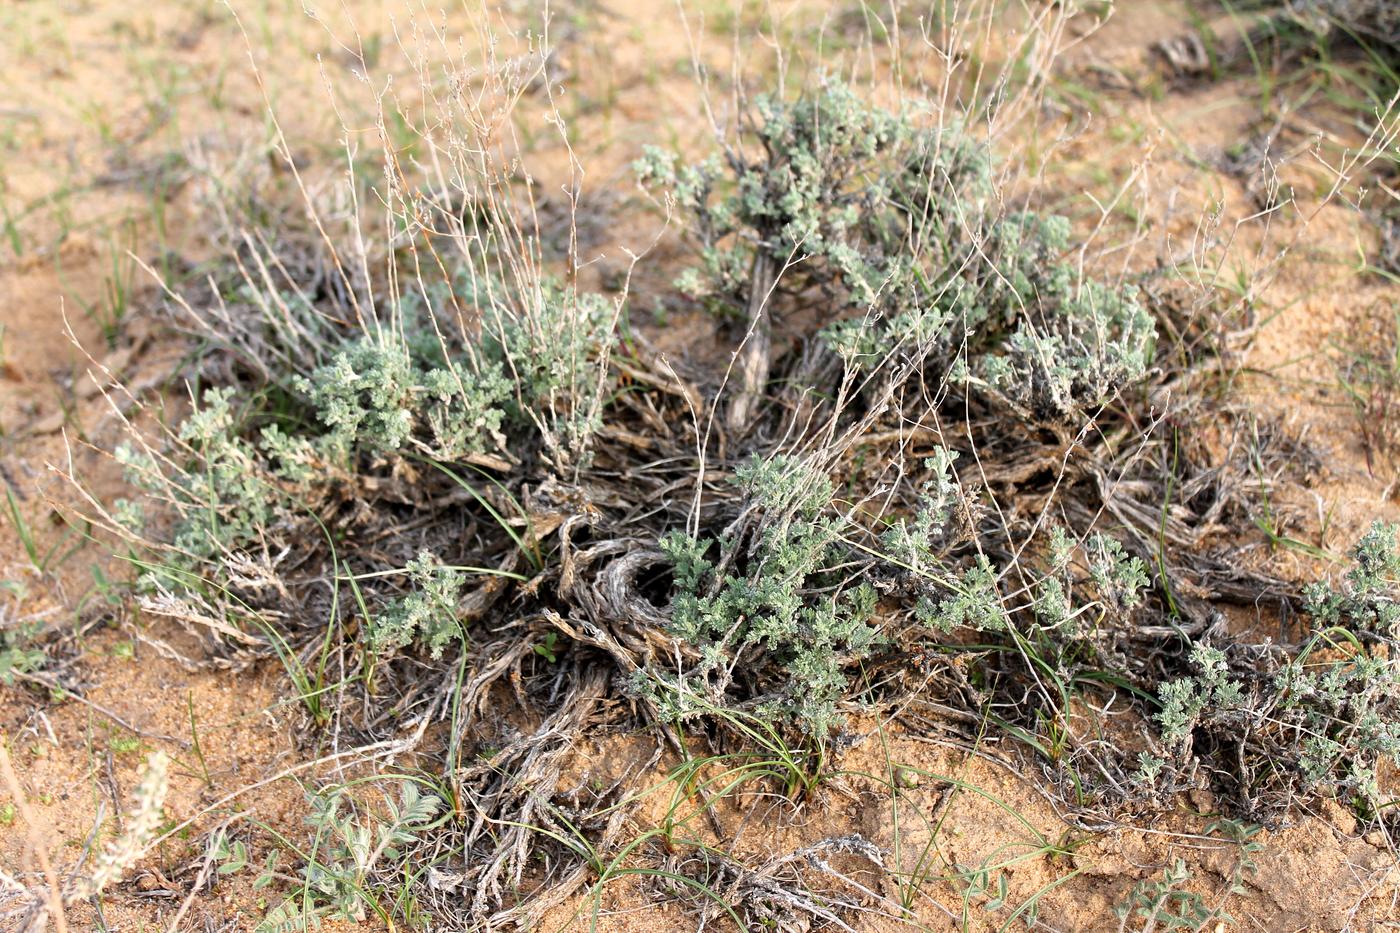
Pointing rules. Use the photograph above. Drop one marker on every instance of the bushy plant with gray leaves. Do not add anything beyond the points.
(527, 383)
(755, 599)
(1318, 722)
(889, 216)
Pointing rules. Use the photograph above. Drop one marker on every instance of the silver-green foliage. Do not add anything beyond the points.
(1074, 352)
(235, 488)
(537, 368)
(893, 218)
(1350, 721)
(767, 609)
(18, 655)
(374, 396)
(403, 390)
(350, 850)
(226, 493)
(777, 593)
(1367, 600)
(532, 369)
(832, 182)
(1210, 693)
(1164, 904)
(551, 358)
(1067, 606)
(1332, 721)
(428, 613)
(914, 542)
(1329, 720)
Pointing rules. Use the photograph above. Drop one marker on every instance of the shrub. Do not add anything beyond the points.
(891, 218)
(836, 186)
(764, 608)
(428, 612)
(374, 396)
(782, 592)
(222, 492)
(1321, 722)
(1366, 602)
(554, 359)
(533, 366)
(796, 587)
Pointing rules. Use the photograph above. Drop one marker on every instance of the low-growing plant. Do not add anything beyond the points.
(1317, 723)
(351, 850)
(756, 598)
(410, 390)
(224, 493)
(230, 474)
(375, 397)
(834, 188)
(19, 653)
(889, 217)
(1366, 604)
(428, 612)
(1164, 904)
(795, 583)
(444, 494)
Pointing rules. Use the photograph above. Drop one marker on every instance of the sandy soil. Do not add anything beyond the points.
(109, 112)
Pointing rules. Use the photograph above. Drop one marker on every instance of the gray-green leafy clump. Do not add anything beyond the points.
(975, 602)
(835, 189)
(227, 493)
(1350, 721)
(552, 361)
(1317, 726)
(373, 395)
(1366, 602)
(1085, 597)
(1074, 346)
(1211, 692)
(1321, 722)
(1094, 606)
(402, 390)
(764, 602)
(428, 613)
(1119, 578)
(354, 849)
(781, 607)
(405, 392)
(888, 216)
(19, 653)
(526, 381)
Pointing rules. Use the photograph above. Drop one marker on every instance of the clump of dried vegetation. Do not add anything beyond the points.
(949, 469)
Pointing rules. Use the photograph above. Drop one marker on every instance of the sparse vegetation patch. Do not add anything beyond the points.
(952, 455)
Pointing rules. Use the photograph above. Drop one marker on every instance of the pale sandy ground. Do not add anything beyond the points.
(102, 108)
